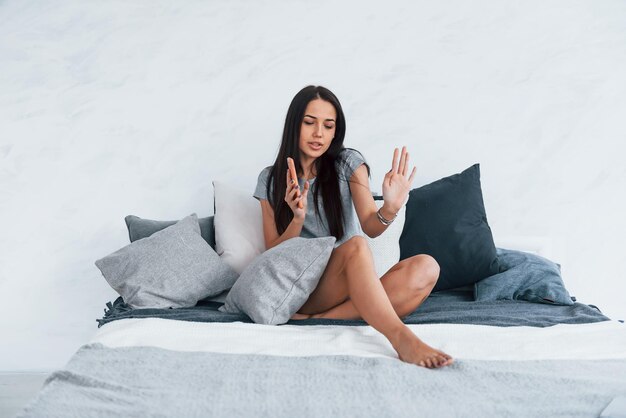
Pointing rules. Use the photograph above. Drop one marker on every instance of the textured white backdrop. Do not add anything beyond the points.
(112, 108)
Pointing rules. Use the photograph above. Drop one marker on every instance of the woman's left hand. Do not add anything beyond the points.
(396, 185)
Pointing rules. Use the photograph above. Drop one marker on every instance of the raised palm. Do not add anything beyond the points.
(396, 185)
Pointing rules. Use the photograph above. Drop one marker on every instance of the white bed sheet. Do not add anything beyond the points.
(600, 340)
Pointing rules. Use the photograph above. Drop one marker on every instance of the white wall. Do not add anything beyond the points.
(112, 108)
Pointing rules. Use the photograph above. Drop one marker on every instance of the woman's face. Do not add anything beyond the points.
(318, 128)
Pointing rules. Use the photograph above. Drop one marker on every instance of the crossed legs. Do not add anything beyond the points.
(350, 289)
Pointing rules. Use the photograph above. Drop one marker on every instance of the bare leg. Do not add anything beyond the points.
(407, 285)
(371, 302)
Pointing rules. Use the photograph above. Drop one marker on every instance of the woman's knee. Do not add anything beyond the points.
(356, 246)
(423, 272)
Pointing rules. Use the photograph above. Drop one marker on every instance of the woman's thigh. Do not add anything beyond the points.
(332, 288)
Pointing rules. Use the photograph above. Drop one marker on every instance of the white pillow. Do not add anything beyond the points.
(238, 225)
(386, 247)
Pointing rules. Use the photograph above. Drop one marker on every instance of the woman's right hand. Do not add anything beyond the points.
(292, 199)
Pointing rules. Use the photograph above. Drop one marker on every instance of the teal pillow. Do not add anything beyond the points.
(524, 276)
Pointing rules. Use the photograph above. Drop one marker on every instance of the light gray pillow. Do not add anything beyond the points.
(279, 281)
(173, 268)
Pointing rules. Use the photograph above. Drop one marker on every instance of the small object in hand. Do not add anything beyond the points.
(292, 172)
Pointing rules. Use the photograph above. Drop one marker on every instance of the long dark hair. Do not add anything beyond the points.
(327, 180)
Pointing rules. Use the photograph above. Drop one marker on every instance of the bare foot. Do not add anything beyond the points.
(413, 350)
(300, 316)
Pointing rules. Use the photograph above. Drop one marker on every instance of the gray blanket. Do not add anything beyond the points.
(451, 307)
(153, 382)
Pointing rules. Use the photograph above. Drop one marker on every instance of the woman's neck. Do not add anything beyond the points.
(309, 168)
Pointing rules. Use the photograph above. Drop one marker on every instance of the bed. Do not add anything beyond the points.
(512, 358)
(517, 351)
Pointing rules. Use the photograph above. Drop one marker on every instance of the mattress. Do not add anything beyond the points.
(511, 359)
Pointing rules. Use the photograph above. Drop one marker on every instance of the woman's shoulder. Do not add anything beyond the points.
(260, 191)
(348, 155)
(348, 160)
(265, 173)
(348, 152)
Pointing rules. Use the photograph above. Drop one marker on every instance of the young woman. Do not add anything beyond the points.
(338, 179)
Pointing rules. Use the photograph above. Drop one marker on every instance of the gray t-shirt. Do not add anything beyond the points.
(348, 161)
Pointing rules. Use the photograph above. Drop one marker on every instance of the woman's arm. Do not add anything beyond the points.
(396, 188)
(365, 206)
(270, 232)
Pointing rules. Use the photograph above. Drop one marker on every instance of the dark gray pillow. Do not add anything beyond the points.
(279, 281)
(172, 268)
(139, 228)
(524, 276)
(446, 219)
